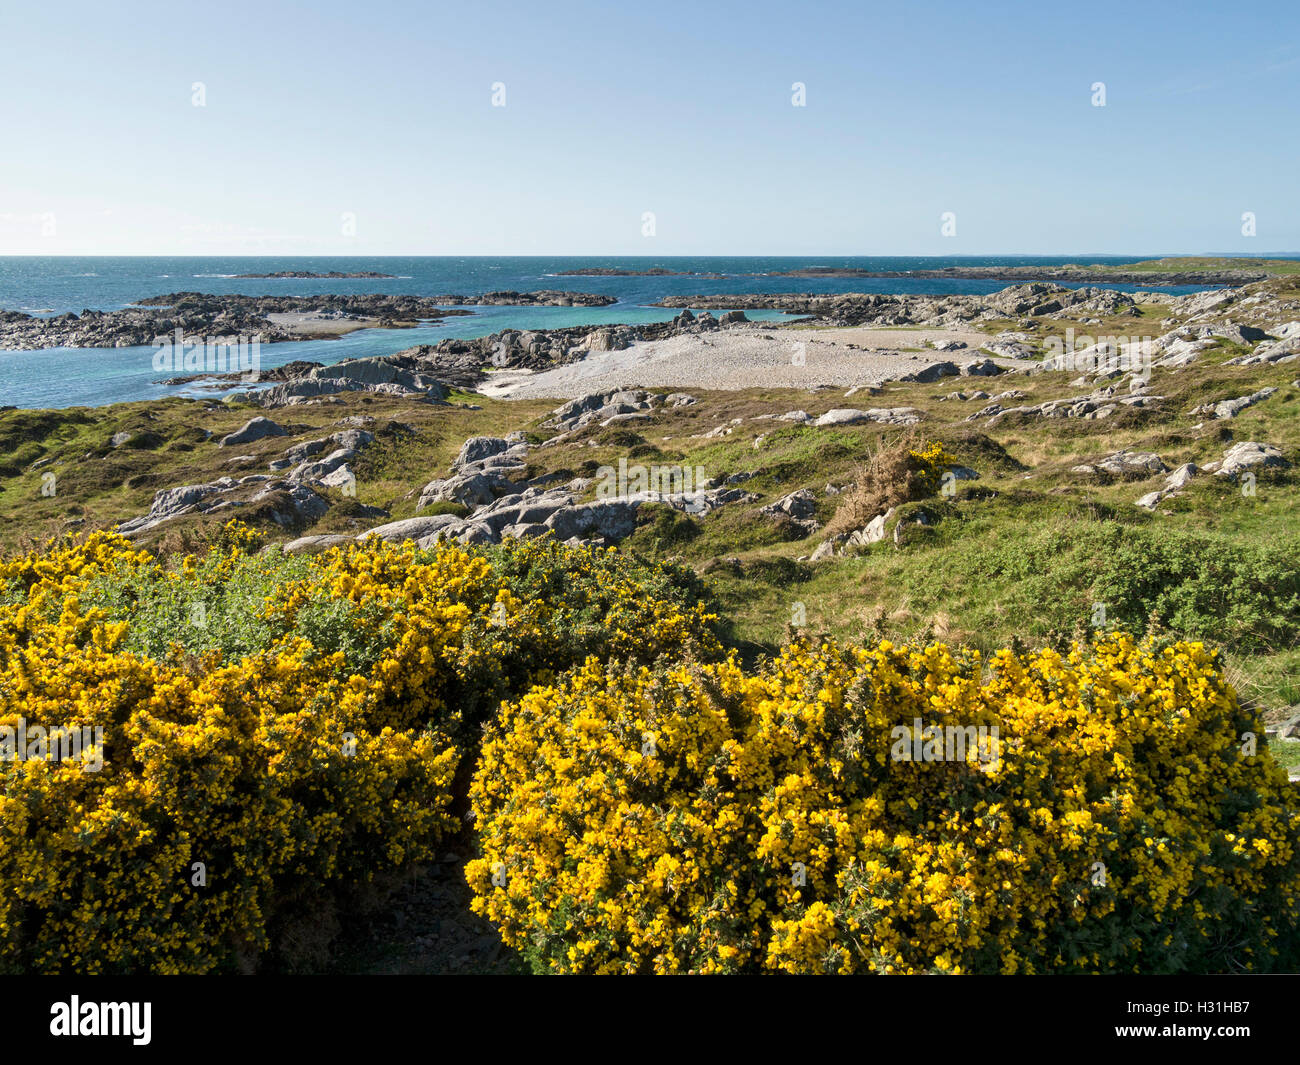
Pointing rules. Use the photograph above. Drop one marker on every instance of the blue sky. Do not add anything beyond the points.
(383, 112)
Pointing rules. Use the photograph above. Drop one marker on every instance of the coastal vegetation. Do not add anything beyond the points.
(669, 748)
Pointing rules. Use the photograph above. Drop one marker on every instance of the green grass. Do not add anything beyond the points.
(1205, 263)
(1023, 553)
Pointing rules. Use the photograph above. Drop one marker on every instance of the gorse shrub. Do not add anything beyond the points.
(272, 727)
(897, 472)
(698, 819)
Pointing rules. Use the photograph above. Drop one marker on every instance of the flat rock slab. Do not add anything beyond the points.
(885, 415)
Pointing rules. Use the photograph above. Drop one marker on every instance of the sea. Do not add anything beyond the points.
(70, 377)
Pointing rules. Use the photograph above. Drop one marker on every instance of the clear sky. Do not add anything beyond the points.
(383, 111)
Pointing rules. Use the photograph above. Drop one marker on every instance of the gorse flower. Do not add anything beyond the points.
(290, 724)
(281, 728)
(1121, 829)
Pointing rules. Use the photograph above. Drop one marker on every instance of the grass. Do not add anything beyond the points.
(1205, 264)
(1022, 553)
(1021, 556)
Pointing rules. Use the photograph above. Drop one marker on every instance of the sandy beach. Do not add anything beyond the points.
(747, 357)
(317, 324)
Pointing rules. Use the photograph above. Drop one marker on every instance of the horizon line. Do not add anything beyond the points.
(615, 255)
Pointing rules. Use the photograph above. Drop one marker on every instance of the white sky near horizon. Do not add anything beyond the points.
(318, 113)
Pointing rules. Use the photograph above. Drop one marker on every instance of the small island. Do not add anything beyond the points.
(362, 275)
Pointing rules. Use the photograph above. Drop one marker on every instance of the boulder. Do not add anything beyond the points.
(477, 448)
(469, 489)
(1230, 408)
(253, 429)
(1182, 476)
(1132, 465)
(300, 453)
(352, 439)
(1009, 349)
(315, 471)
(887, 415)
(171, 503)
(292, 504)
(417, 529)
(871, 533)
(800, 505)
(1285, 350)
(1249, 455)
(981, 368)
(933, 372)
(311, 545)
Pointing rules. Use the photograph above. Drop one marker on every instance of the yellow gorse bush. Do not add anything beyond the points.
(701, 819)
(930, 463)
(320, 752)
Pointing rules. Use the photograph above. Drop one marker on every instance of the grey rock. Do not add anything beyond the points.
(1286, 350)
(1248, 455)
(890, 416)
(1009, 349)
(253, 429)
(1132, 465)
(1230, 408)
(312, 545)
(1181, 477)
(171, 503)
(477, 448)
(871, 533)
(304, 505)
(826, 549)
(471, 490)
(981, 368)
(933, 372)
(397, 532)
(309, 472)
(800, 505)
(300, 453)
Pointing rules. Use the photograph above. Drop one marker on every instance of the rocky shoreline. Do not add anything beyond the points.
(1075, 274)
(426, 370)
(366, 275)
(732, 341)
(199, 314)
(655, 271)
(1071, 272)
(858, 308)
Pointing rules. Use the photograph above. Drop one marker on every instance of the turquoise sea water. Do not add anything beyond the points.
(66, 377)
